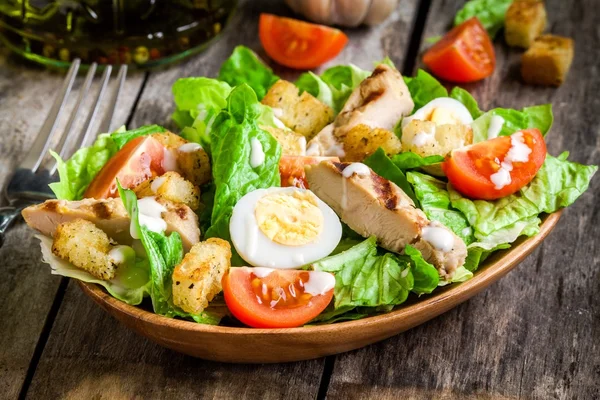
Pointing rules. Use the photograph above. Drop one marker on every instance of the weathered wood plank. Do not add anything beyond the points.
(534, 333)
(28, 289)
(89, 355)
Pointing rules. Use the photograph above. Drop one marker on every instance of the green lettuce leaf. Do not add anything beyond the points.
(244, 67)
(423, 88)
(365, 279)
(426, 277)
(164, 253)
(233, 176)
(514, 120)
(334, 86)
(435, 203)
(130, 285)
(461, 274)
(465, 97)
(409, 160)
(491, 14)
(381, 164)
(78, 172)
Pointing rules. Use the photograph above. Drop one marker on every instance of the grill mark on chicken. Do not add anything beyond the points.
(50, 206)
(181, 212)
(373, 96)
(101, 210)
(378, 70)
(385, 191)
(340, 166)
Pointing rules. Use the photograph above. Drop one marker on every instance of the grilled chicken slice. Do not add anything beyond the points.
(380, 101)
(111, 216)
(372, 205)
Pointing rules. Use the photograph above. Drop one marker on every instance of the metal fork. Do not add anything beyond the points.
(29, 183)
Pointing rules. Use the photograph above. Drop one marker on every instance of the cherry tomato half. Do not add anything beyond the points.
(475, 170)
(465, 54)
(273, 300)
(298, 44)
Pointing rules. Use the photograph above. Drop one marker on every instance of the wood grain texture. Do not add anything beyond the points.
(89, 355)
(534, 334)
(27, 288)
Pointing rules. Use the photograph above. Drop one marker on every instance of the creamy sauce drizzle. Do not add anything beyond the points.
(262, 272)
(277, 112)
(357, 168)
(422, 138)
(518, 152)
(440, 238)
(257, 155)
(319, 283)
(157, 183)
(119, 254)
(279, 123)
(189, 147)
(496, 123)
(149, 215)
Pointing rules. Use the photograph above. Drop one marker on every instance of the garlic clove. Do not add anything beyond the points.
(379, 11)
(350, 12)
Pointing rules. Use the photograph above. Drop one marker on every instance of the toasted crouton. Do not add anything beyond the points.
(85, 246)
(362, 141)
(292, 143)
(170, 186)
(197, 279)
(525, 21)
(302, 113)
(192, 161)
(548, 60)
(425, 138)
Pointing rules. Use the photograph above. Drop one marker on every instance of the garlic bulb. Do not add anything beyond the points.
(344, 12)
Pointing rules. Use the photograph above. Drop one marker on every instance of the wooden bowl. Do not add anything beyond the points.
(246, 345)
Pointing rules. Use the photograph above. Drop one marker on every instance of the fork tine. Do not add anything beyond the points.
(62, 146)
(112, 104)
(87, 129)
(38, 149)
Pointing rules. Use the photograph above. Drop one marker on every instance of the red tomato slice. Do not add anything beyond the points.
(471, 169)
(465, 54)
(277, 300)
(291, 169)
(298, 44)
(140, 159)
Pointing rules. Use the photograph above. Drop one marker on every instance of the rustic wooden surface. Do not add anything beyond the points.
(532, 335)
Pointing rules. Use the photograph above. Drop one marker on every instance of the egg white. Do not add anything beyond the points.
(455, 107)
(260, 251)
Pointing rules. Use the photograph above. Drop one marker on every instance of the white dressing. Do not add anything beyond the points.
(149, 215)
(277, 112)
(302, 142)
(496, 123)
(279, 123)
(466, 231)
(313, 150)
(439, 237)
(357, 168)
(157, 183)
(257, 155)
(202, 112)
(518, 152)
(189, 147)
(319, 283)
(119, 254)
(262, 272)
(423, 138)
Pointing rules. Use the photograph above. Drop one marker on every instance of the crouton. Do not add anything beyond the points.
(170, 186)
(548, 60)
(525, 21)
(361, 141)
(292, 143)
(85, 246)
(197, 279)
(425, 138)
(191, 159)
(302, 113)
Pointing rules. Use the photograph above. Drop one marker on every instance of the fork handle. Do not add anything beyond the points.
(8, 215)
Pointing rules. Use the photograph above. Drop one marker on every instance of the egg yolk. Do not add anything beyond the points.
(291, 218)
(442, 116)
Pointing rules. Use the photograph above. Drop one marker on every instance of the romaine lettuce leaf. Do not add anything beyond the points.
(467, 99)
(233, 176)
(491, 14)
(423, 88)
(381, 164)
(164, 253)
(365, 279)
(244, 67)
(410, 160)
(334, 86)
(514, 120)
(130, 285)
(435, 202)
(426, 277)
(78, 172)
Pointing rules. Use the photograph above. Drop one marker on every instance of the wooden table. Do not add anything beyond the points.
(534, 334)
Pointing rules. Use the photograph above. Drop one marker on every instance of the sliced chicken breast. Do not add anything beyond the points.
(111, 216)
(372, 205)
(380, 101)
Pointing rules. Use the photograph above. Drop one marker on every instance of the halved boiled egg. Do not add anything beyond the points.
(283, 228)
(441, 111)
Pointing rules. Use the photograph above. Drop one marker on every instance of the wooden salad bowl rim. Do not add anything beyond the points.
(167, 331)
